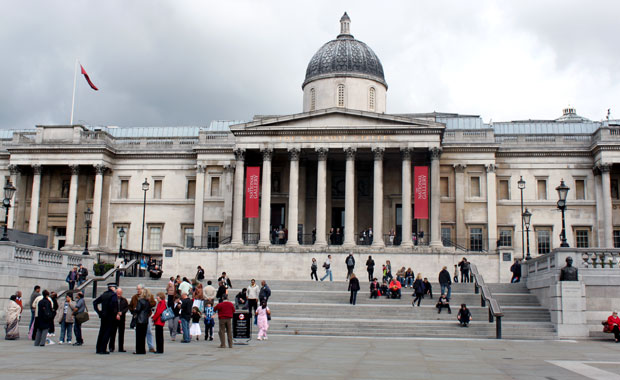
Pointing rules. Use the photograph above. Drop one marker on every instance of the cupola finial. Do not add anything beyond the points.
(345, 22)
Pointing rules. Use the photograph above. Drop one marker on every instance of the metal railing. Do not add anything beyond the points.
(486, 297)
(94, 280)
(250, 238)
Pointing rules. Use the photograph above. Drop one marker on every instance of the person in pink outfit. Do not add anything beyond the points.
(263, 314)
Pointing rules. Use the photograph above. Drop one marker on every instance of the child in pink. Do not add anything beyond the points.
(263, 314)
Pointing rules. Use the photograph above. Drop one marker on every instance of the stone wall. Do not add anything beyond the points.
(295, 265)
(22, 267)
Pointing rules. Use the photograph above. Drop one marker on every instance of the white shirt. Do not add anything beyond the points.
(253, 292)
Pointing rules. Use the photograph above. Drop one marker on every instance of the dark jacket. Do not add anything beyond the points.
(464, 266)
(143, 311)
(370, 263)
(109, 305)
(464, 315)
(228, 283)
(418, 286)
(444, 277)
(123, 307)
(45, 316)
(427, 286)
(354, 284)
(186, 309)
(516, 269)
(350, 261)
(264, 293)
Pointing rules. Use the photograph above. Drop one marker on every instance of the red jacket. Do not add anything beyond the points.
(225, 310)
(161, 306)
(611, 321)
(395, 285)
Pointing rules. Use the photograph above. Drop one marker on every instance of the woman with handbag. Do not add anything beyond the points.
(66, 320)
(142, 314)
(81, 316)
(159, 323)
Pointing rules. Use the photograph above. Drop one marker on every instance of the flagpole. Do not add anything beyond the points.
(73, 98)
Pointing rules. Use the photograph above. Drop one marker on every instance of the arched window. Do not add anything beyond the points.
(371, 99)
(341, 95)
(312, 99)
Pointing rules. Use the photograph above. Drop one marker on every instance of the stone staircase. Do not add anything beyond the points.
(323, 309)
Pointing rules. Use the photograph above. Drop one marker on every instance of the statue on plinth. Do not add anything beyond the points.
(569, 272)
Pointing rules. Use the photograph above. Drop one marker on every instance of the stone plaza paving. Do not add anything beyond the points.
(296, 357)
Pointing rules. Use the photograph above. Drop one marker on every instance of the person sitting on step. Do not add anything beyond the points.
(374, 288)
(443, 303)
(464, 315)
(428, 288)
(384, 289)
(395, 287)
(613, 325)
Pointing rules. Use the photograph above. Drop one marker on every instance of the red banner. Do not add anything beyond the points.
(420, 188)
(252, 182)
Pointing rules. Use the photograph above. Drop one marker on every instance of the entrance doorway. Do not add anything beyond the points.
(338, 217)
(59, 237)
(278, 215)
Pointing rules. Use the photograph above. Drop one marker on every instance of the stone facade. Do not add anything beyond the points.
(334, 166)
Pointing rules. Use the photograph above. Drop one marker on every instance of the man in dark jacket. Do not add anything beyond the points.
(428, 288)
(464, 265)
(264, 293)
(445, 282)
(370, 267)
(350, 261)
(516, 271)
(119, 325)
(186, 315)
(107, 313)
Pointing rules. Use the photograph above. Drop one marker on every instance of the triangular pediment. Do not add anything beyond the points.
(335, 119)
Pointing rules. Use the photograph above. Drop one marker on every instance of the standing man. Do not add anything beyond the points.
(209, 292)
(171, 291)
(225, 311)
(464, 264)
(82, 274)
(72, 278)
(264, 293)
(253, 292)
(226, 280)
(35, 293)
(185, 286)
(350, 261)
(328, 271)
(107, 313)
(186, 315)
(516, 271)
(119, 325)
(445, 282)
(370, 267)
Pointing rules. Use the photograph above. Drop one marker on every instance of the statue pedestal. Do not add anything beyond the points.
(568, 309)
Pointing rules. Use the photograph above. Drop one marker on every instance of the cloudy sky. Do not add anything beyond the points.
(189, 62)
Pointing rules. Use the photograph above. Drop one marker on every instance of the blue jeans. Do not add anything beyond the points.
(65, 328)
(443, 290)
(149, 335)
(185, 327)
(409, 281)
(328, 272)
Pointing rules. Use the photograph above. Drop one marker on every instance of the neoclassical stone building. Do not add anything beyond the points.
(342, 163)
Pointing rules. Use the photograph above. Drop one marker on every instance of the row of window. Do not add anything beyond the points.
(541, 244)
(503, 188)
(190, 189)
(341, 97)
(154, 232)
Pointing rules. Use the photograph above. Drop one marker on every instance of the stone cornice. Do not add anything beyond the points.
(543, 154)
(337, 132)
(469, 149)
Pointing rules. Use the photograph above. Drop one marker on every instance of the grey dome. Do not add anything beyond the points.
(345, 56)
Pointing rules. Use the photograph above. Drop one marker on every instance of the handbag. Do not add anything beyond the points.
(167, 315)
(132, 324)
(82, 317)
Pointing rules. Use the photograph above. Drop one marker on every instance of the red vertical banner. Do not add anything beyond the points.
(252, 182)
(420, 188)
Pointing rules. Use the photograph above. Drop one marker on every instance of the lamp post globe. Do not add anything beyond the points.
(145, 188)
(521, 185)
(88, 216)
(527, 218)
(9, 190)
(121, 234)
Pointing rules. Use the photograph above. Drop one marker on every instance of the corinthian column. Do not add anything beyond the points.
(265, 200)
(71, 209)
(459, 201)
(321, 197)
(349, 199)
(293, 197)
(607, 206)
(491, 207)
(199, 199)
(237, 231)
(33, 223)
(97, 198)
(435, 199)
(377, 201)
(406, 199)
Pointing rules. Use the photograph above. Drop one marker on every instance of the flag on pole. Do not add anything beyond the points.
(88, 79)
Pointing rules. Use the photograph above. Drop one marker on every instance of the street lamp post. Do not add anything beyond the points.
(562, 193)
(88, 215)
(9, 190)
(145, 188)
(121, 234)
(521, 184)
(527, 217)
